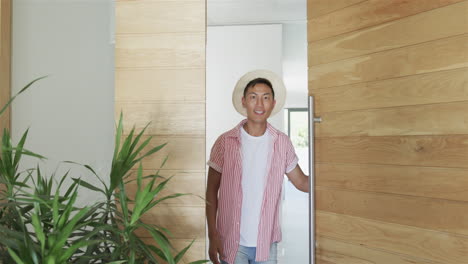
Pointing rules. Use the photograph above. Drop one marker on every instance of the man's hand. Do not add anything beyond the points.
(215, 249)
(299, 179)
(214, 180)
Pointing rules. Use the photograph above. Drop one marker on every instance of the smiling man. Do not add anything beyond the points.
(245, 178)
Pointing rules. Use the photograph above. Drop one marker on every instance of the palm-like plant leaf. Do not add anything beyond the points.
(20, 92)
(38, 224)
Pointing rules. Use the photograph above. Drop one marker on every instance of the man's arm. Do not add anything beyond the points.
(214, 180)
(299, 179)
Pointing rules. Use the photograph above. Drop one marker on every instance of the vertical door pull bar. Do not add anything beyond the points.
(312, 120)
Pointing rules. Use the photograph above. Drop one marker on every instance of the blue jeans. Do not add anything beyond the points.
(246, 255)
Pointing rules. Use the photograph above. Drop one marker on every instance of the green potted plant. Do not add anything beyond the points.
(40, 221)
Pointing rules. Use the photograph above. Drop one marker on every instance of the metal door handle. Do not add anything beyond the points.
(312, 119)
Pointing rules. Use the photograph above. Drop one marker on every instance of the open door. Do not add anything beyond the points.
(390, 81)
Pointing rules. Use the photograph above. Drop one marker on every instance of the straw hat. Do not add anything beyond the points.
(276, 82)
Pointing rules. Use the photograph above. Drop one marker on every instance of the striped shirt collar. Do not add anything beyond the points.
(236, 131)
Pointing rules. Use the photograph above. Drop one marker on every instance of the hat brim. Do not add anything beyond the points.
(276, 82)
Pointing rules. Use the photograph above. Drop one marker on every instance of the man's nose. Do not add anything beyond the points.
(259, 102)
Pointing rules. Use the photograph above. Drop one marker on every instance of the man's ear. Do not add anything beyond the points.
(243, 101)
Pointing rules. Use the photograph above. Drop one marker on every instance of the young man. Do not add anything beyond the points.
(245, 178)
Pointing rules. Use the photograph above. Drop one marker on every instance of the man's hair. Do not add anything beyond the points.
(256, 81)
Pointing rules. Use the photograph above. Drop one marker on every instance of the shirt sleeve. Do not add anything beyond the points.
(291, 157)
(216, 160)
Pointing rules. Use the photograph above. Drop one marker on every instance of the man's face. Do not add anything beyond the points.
(258, 102)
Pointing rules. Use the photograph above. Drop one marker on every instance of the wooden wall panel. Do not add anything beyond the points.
(442, 183)
(421, 243)
(429, 119)
(438, 87)
(431, 25)
(166, 50)
(316, 8)
(167, 118)
(367, 14)
(5, 61)
(338, 252)
(390, 80)
(152, 1)
(443, 54)
(187, 182)
(160, 78)
(186, 85)
(182, 221)
(431, 151)
(320, 260)
(157, 17)
(183, 153)
(397, 209)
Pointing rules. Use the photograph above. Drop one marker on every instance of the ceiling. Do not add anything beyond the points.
(242, 12)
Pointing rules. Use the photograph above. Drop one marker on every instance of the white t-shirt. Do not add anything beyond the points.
(255, 154)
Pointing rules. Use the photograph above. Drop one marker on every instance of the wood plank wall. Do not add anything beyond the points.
(5, 61)
(160, 78)
(391, 84)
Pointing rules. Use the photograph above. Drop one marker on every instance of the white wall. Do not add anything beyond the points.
(295, 64)
(71, 113)
(231, 52)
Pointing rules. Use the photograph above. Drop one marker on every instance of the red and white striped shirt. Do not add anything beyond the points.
(226, 158)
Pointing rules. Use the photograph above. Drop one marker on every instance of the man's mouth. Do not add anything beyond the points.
(259, 112)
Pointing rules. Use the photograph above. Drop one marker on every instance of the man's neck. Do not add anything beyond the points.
(255, 129)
